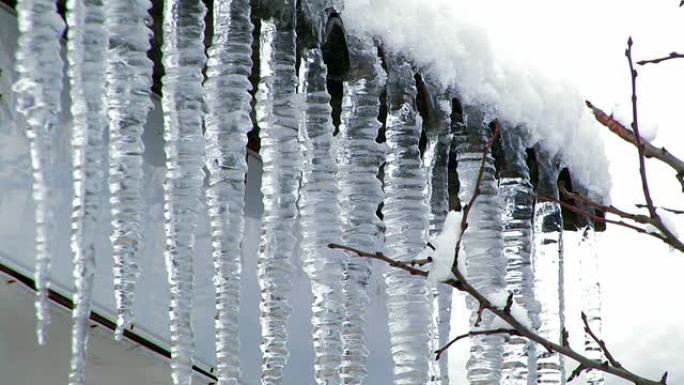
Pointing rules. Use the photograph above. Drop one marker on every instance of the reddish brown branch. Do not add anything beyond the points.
(600, 343)
(438, 352)
(649, 150)
(672, 55)
(381, 257)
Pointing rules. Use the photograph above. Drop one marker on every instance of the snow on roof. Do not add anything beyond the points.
(460, 54)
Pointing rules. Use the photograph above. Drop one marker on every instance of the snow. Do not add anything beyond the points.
(439, 37)
(673, 222)
(443, 254)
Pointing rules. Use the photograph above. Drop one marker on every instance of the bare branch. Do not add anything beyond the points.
(650, 151)
(673, 211)
(438, 352)
(672, 55)
(600, 343)
(381, 257)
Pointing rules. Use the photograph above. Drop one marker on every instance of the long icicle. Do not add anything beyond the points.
(278, 119)
(129, 83)
(227, 123)
(86, 51)
(436, 158)
(38, 87)
(359, 157)
(183, 58)
(320, 221)
(588, 257)
(482, 241)
(517, 196)
(547, 263)
(406, 217)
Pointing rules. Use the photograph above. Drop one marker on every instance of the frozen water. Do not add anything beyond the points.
(184, 59)
(406, 217)
(39, 83)
(86, 51)
(440, 37)
(278, 117)
(482, 241)
(591, 295)
(436, 157)
(227, 122)
(320, 221)
(360, 192)
(129, 81)
(547, 265)
(517, 197)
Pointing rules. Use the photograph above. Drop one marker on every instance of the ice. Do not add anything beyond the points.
(86, 51)
(591, 294)
(547, 264)
(406, 217)
(360, 192)
(436, 157)
(129, 81)
(183, 59)
(227, 123)
(320, 221)
(517, 196)
(278, 117)
(482, 241)
(38, 86)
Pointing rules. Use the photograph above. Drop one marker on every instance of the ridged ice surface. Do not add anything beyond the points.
(320, 222)
(129, 82)
(591, 298)
(406, 217)
(517, 196)
(227, 123)
(482, 242)
(548, 287)
(38, 87)
(436, 158)
(278, 119)
(360, 192)
(86, 51)
(183, 59)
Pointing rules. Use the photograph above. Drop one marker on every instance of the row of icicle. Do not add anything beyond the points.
(330, 182)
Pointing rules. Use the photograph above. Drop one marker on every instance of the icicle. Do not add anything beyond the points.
(227, 123)
(129, 82)
(547, 264)
(406, 218)
(87, 48)
(482, 242)
(320, 224)
(183, 58)
(38, 87)
(591, 287)
(278, 117)
(517, 197)
(359, 157)
(436, 158)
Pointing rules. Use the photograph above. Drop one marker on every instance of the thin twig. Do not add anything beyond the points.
(438, 352)
(637, 136)
(381, 257)
(673, 211)
(600, 343)
(672, 55)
